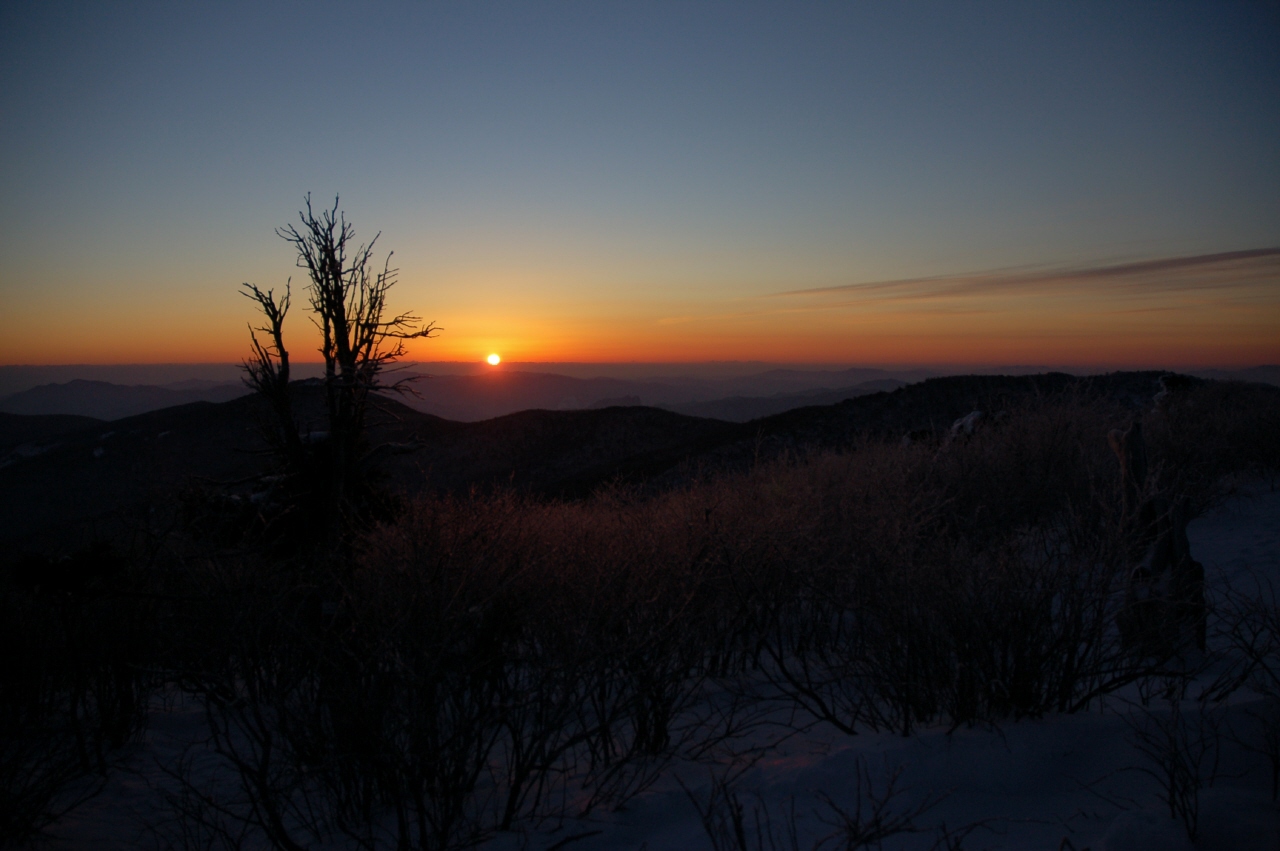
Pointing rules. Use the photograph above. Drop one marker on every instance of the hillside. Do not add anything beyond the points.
(741, 409)
(17, 429)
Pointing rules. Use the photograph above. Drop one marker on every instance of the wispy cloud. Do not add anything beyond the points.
(1203, 272)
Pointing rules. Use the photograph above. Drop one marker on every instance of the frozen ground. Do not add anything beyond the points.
(1062, 782)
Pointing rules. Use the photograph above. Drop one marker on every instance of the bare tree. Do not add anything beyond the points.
(267, 370)
(348, 297)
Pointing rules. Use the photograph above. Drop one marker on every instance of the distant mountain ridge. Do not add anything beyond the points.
(130, 471)
(106, 401)
(741, 409)
(472, 398)
(485, 395)
(1265, 374)
(481, 394)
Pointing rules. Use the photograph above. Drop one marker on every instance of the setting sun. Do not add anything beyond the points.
(493, 360)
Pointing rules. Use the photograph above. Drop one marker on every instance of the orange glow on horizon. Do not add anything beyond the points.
(1214, 310)
(884, 341)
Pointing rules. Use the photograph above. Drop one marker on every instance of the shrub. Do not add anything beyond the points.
(73, 682)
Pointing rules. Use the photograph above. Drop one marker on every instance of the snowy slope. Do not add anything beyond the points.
(1032, 784)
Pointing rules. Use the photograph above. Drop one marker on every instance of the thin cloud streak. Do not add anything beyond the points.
(1207, 308)
(1200, 272)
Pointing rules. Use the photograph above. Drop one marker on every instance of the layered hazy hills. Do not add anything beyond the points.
(104, 400)
(130, 471)
(60, 487)
(469, 393)
(741, 409)
(475, 397)
(470, 398)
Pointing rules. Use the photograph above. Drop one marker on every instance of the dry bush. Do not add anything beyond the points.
(486, 663)
(1250, 627)
(881, 809)
(73, 682)
(978, 581)
(1212, 429)
(1180, 751)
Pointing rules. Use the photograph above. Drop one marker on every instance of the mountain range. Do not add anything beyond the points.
(475, 397)
(106, 401)
(64, 478)
(475, 394)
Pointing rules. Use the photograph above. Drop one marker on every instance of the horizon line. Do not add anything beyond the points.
(811, 364)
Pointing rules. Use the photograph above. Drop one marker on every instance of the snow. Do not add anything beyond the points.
(1056, 783)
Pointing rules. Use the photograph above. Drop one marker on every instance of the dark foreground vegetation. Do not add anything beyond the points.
(455, 664)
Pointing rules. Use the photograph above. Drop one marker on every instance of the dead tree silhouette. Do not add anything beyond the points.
(348, 299)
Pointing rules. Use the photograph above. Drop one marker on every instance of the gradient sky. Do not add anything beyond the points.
(827, 182)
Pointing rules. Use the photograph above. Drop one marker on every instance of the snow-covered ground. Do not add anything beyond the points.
(1061, 782)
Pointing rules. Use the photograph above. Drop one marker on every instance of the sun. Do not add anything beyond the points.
(493, 360)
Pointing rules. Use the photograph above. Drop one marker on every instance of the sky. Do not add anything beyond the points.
(859, 183)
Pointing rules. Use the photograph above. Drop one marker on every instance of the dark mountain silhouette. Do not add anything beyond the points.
(23, 437)
(471, 398)
(129, 470)
(740, 409)
(776, 381)
(106, 401)
(1266, 374)
(484, 393)
(17, 430)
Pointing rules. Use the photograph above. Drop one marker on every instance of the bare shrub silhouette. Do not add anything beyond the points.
(1251, 629)
(74, 682)
(882, 809)
(1180, 751)
(486, 663)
